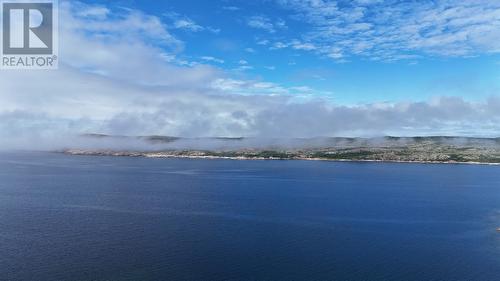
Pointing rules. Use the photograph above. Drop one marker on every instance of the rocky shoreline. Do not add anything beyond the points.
(450, 150)
(243, 156)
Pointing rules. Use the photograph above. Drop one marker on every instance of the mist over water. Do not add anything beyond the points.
(159, 143)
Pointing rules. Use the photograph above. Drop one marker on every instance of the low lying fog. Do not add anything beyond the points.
(158, 143)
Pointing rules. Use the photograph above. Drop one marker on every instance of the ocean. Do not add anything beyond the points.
(79, 218)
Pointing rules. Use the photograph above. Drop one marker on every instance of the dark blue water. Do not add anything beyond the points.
(99, 218)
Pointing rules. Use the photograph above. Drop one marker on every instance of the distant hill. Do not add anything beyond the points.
(440, 149)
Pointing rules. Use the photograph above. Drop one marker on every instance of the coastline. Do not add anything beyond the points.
(246, 158)
(325, 159)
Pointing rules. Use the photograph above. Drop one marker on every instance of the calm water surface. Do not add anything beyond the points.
(100, 218)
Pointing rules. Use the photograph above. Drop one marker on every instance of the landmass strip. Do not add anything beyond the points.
(436, 149)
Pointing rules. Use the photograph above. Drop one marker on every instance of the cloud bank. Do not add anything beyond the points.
(116, 77)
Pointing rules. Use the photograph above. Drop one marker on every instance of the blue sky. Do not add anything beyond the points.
(281, 42)
(263, 68)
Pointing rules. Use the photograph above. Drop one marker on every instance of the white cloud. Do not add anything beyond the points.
(117, 77)
(263, 42)
(265, 23)
(212, 59)
(94, 11)
(243, 68)
(304, 89)
(261, 22)
(249, 87)
(185, 23)
(394, 30)
(173, 59)
(280, 24)
(278, 45)
(101, 24)
(213, 30)
(297, 45)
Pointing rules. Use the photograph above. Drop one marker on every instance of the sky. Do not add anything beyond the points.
(264, 68)
(348, 51)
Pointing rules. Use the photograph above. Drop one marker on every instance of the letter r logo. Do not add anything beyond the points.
(27, 28)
